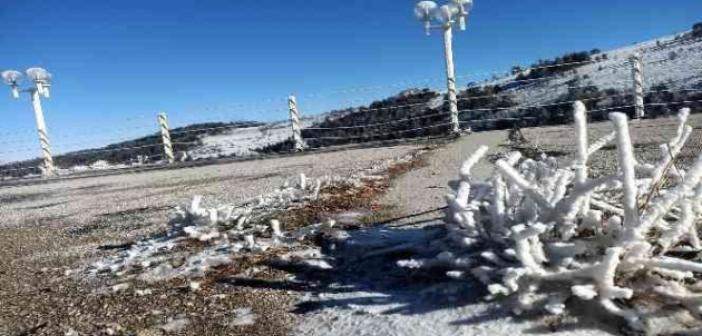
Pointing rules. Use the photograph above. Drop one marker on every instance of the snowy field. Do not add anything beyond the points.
(245, 141)
(241, 141)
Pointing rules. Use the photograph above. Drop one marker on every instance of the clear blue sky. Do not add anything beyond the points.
(115, 62)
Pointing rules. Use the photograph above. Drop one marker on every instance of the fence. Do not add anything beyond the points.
(539, 95)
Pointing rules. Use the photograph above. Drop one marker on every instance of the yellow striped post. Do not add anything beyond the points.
(295, 125)
(637, 73)
(166, 137)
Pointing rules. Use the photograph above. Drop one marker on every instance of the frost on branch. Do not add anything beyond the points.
(542, 236)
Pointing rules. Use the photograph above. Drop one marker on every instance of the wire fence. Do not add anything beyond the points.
(507, 101)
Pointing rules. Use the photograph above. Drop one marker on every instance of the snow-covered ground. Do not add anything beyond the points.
(101, 165)
(245, 141)
(241, 141)
(364, 302)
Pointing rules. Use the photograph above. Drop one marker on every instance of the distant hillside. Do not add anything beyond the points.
(184, 139)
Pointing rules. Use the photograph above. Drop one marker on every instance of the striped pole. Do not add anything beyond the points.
(166, 137)
(49, 169)
(451, 78)
(637, 72)
(295, 125)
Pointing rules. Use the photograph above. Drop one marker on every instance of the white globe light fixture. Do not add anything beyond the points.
(456, 11)
(464, 7)
(12, 78)
(41, 79)
(42, 82)
(424, 11)
(445, 14)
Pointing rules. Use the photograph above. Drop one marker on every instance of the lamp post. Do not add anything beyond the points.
(455, 12)
(41, 79)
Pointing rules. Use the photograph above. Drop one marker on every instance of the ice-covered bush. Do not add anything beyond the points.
(542, 236)
(224, 233)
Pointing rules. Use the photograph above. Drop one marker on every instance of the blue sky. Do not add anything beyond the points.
(117, 63)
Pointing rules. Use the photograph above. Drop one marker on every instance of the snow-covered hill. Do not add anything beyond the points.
(247, 141)
(677, 63)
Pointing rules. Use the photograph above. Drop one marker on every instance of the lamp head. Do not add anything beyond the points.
(424, 11)
(464, 7)
(12, 78)
(467, 4)
(41, 79)
(445, 14)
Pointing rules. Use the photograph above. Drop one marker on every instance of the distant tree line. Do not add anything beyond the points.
(480, 105)
(602, 102)
(405, 115)
(694, 33)
(558, 65)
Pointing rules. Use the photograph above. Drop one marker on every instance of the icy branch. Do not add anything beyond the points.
(625, 156)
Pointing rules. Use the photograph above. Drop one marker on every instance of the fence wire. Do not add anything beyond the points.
(430, 107)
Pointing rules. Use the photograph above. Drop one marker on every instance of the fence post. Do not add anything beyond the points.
(166, 137)
(637, 72)
(295, 124)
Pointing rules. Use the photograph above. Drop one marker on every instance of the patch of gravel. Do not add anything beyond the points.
(46, 230)
(646, 136)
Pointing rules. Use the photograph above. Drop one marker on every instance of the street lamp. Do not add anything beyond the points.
(456, 11)
(42, 82)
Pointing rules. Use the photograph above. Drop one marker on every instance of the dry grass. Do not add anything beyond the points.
(339, 199)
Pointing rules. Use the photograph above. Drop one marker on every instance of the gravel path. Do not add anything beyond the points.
(424, 189)
(80, 201)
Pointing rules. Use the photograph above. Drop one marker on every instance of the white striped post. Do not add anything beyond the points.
(166, 137)
(295, 125)
(451, 78)
(49, 169)
(637, 73)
